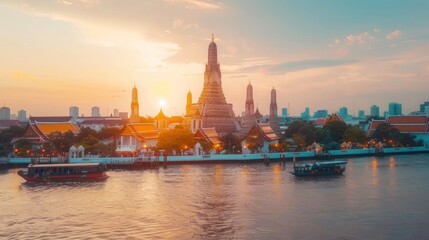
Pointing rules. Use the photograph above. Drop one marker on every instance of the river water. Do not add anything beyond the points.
(376, 198)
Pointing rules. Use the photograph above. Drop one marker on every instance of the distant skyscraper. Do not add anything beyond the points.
(306, 114)
(423, 107)
(95, 111)
(135, 116)
(74, 112)
(123, 115)
(343, 112)
(284, 112)
(249, 105)
(375, 111)
(115, 112)
(320, 114)
(22, 115)
(361, 114)
(395, 109)
(4, 113)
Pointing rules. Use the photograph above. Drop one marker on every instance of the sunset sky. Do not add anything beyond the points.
(319, 54)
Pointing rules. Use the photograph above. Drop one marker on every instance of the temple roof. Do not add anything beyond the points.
(265, 130)
(48, 128)
(334, 117)
(140, 130)
(208, 134)
(160, 115)
(39, 128)
(405, 124)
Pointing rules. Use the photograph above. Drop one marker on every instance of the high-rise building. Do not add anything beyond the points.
(424, 107)
(123, 115)
(361, 114)
(212, 110)
(375, 111)
(343, 112)
(135, 116)
(95, 111)
(395, 109)
(306, 114)
(74, 112)
(320, 114)
(22, 115)
(284, 112)
(4, 113)
(115, 112)
(272, 119)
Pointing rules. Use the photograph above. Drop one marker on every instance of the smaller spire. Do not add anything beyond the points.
(212, 37)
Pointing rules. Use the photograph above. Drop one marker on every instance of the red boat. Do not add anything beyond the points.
(64, 172)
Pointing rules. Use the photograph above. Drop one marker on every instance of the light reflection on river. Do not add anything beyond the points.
(376, 198)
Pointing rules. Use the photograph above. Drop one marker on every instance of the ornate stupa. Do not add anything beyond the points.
(272, 119)
(250, 117)
(212, 110)
(135, 117)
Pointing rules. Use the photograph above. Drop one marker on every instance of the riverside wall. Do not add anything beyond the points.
(219, 158)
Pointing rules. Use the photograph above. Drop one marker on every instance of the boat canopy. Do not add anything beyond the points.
(64, 165)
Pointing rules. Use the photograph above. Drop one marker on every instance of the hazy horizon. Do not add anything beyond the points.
(62, 53)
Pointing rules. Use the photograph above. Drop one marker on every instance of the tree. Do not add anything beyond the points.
(336, 130)
(107, 133)
(6, 136)
(299, 141)
(176, 139)
(308, 132)
(355, 135)
(408, 140)
(231, 142)
(387, 134)
(254, 144)
(294, 127)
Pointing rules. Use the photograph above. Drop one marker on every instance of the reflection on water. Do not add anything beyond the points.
(376, 198)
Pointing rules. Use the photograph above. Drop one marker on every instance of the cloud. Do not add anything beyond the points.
(282, 68)
(78, 3)
(360, 38)
(394, 35)
(197, 4)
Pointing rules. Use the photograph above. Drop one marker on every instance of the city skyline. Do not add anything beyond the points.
(91, 53)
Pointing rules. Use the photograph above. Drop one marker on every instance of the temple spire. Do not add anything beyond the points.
(212, 37)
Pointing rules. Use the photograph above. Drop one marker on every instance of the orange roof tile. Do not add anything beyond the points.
(407, 119)
(47, 128)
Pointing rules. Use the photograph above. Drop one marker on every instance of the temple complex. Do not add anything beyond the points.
(211, 110)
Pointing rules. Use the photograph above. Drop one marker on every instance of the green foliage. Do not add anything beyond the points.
(299, 141)
(294, 127)
(107, 133)
(206, 146)
(336, 130)
(231, 142)
(176, 139)
(354, 134)
(254, 144)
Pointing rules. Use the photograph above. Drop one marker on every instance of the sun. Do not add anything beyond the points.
(162, 103)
